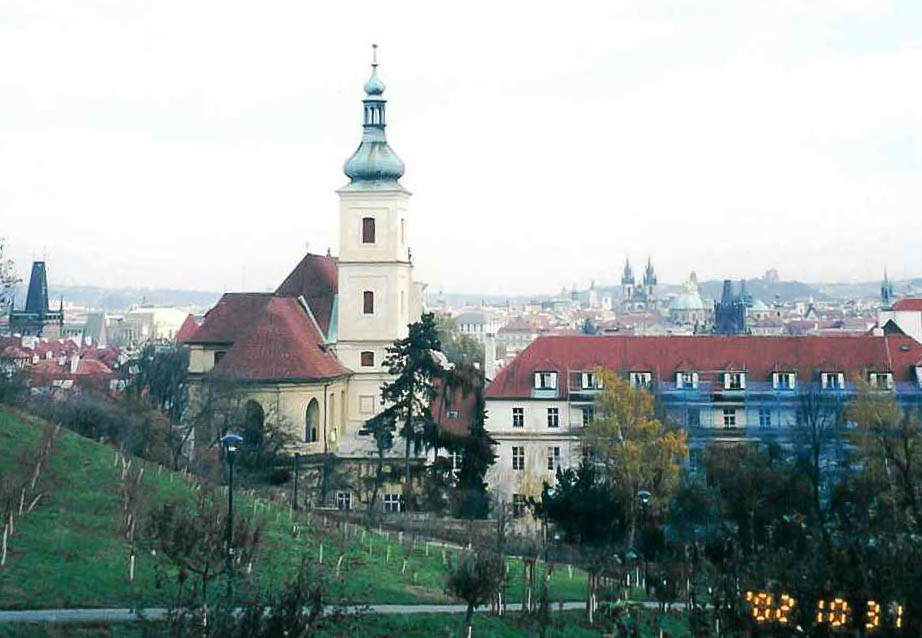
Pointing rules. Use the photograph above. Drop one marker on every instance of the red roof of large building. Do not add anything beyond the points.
(665, 355)
(275, 341)
(909, 303)
(230, 317)
(316, 279)
(186, 330)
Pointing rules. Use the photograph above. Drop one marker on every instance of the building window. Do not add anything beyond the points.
(553, 417)
(694, 417)
(368, 302)
(553, 458)
(729, 418)
(784, 381)
(591, 381)
(368, 230)
(518, 417)
(686, 380)
(734, 380)
(518, 505)
(368, 359)
(218, 355)
(545, 380)
(403, 231)
(518, 458)
(880, 380)
(366, 404)
(765, 417)
(452, 415)
(641, 379)
(343, 500)
(392, 503)
(586, 452)
(312, 422)
(833, 380)
(588, 415)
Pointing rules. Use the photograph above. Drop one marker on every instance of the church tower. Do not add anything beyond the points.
(377, 297)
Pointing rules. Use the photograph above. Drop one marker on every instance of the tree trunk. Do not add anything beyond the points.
(469, 620)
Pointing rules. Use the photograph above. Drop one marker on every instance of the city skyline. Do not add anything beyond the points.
(674, 135)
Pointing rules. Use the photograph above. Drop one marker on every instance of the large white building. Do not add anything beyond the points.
(714, 387)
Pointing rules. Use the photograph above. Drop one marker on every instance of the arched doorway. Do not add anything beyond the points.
(253, 423)
(312, 422)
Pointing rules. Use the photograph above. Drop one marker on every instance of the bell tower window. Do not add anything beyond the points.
(368, 302)
(368, 230)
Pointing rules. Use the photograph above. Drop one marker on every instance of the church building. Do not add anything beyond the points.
(309, 357)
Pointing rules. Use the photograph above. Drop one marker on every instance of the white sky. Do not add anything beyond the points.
(199, 144)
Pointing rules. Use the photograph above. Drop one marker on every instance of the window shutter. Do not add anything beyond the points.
(841, 380)
(585, 380)
(743, 380)
(824, 377)
(678, 380)
(890, 381)
(694, 380)
(726, 380)
(553, 380)
(537, 380)
(793, 379)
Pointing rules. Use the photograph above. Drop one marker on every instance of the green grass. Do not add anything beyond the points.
(68, 551)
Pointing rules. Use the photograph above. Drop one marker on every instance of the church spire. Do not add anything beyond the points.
(374, 166)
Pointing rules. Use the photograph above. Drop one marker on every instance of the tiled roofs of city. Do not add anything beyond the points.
(316, 279)
(665, 355)
(274, 340)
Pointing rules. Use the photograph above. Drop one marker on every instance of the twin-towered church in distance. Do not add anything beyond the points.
(309, 356)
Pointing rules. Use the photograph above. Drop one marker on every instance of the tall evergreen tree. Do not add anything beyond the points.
(408, 397)
(477, 456)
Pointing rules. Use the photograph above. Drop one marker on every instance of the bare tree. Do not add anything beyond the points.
(8, 278)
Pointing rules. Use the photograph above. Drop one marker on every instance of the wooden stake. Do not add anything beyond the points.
(3, 557)
(131, 570)
(321, 553)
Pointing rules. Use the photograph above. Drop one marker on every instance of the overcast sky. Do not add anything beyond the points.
(199, 144)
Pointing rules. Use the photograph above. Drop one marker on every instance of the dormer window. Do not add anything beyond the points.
(734, 380)
(545, 380)
(641, 379)
(783, 380)
(591, 381)
(832, 380)
(686, 380)
(881, 380)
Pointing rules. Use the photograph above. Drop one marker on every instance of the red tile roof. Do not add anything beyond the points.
(315, 278)
(665, 355)
(230, 317)
(909, 303)
(278, 342)
(186, 330)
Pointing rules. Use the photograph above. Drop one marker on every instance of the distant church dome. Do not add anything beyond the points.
(374, 165)
(687, 301)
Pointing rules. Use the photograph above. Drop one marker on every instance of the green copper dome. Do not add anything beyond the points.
(374, 165)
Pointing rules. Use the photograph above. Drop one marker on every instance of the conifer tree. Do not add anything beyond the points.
(407, 398)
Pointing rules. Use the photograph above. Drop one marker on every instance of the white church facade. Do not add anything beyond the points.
(310, 355)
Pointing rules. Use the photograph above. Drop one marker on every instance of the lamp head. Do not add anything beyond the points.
(231, 442)
(643, 497)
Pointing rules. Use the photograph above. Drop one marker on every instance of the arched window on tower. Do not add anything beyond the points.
(368, 230)
(312, 422)
(368, 302)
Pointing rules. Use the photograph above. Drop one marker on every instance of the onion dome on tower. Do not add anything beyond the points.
(374, 166)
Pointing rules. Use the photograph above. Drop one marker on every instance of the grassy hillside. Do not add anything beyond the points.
(68, 551)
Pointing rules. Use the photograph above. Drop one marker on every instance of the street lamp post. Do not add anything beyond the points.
(550, 494)
(231, 443)
(643, 498)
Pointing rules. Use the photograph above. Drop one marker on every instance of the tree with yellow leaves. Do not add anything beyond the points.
(636, 451)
